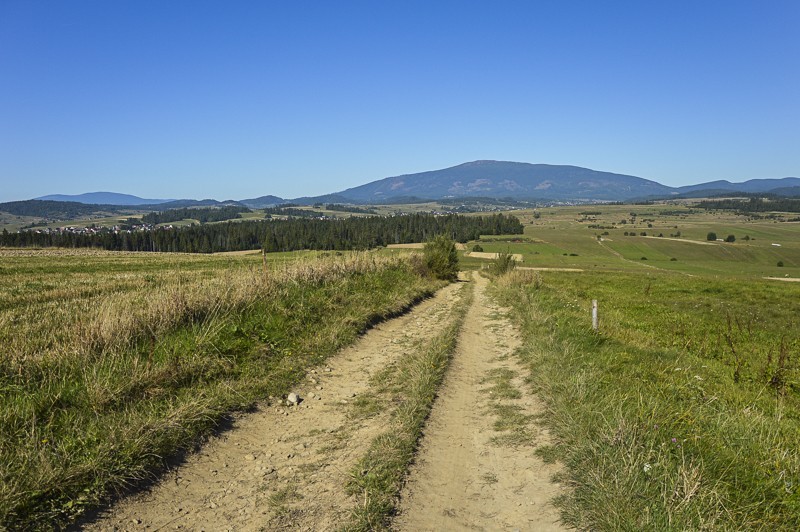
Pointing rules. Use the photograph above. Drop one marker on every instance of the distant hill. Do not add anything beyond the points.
(263, 201)
(59, 210)
(104, 198)
(180, 204)
(752, 185)
(500, 179)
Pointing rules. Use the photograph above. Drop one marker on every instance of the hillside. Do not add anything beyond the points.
(477, 179)
(103, 198)
(500, 179)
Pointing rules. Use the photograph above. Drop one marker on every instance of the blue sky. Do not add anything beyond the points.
(232, 100)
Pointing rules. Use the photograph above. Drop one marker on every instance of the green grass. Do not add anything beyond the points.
(377, 478)
(563, 238)
(112, 362)
(668, 418)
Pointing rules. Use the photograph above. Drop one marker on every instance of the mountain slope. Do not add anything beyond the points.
(499, 179)
(103, 198)
(752, 185)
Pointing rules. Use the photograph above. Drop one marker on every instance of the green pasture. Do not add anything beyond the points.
(683, 411)
(563, 237)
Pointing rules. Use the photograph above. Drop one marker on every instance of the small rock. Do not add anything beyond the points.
(328, 370)
(318, 388)
(312, 395)
(249, 457)
(293, 399)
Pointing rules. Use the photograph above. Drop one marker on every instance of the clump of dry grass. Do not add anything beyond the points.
(97, 383)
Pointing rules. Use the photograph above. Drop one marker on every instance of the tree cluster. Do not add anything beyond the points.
(753, 205)
(278, 235)
(203, 215)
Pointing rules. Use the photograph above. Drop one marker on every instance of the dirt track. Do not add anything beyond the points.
(468, 475)
(286, 468)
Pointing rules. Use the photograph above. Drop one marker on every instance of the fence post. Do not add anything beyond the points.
(594, 314)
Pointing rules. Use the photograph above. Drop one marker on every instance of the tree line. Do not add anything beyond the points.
(753, 205)
(203, 215)
(278, 235)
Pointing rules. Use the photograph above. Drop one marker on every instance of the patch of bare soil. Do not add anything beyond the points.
(421, 245)
(476, 469)
(549, 269)
(285, 467)
(787, 279)
(492, 256)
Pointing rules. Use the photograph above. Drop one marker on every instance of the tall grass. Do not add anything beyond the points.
(655, 429)
(96, 389)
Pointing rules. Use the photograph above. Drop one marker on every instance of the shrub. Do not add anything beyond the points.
(644, 258)
(503, 263)
(780, 264)
(477, 247)
(441, 258)
(730, 238)
(711, 236)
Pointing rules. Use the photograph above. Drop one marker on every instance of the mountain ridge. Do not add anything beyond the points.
(481, 178)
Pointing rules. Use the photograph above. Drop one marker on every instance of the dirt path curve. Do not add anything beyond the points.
(476, 469)
(281, 467)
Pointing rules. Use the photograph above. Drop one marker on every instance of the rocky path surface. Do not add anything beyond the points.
(285, 468)
(476, 468)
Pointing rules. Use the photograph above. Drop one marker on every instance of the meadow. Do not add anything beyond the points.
(113, 362)
(682, 412)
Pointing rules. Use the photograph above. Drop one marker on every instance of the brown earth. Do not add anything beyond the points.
(469, 475)
(286, 468)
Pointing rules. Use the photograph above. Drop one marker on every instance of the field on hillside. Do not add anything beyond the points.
(111, 361)
(683, 411)
(593, 238)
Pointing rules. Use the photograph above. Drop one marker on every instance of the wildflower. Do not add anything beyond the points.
(647, 468)
(674, 440)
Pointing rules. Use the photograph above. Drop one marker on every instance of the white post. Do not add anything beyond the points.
(594, 314)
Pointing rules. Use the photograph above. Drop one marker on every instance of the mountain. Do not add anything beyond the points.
(262, 201)
(498, 179)
(477, 179)
(104, 198)
(752, 185)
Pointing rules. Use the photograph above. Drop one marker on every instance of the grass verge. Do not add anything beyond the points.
(137, 376)
(668, 418)
(377, 478)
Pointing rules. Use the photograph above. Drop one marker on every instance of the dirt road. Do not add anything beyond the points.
(286, 468)
(476, 469)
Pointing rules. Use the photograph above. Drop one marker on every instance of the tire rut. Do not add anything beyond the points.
(476, 468)
(285, 467)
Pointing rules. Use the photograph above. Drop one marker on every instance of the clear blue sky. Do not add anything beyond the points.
(233, 99)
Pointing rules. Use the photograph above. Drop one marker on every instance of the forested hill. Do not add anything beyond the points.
(277, 235)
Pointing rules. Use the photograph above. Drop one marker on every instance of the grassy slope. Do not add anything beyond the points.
(559, 239)
(115, 360)
(680, 414)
